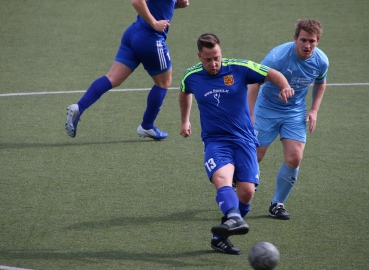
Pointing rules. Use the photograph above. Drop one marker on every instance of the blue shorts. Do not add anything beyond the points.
(269, 123)
(136, 48)
(237, 152)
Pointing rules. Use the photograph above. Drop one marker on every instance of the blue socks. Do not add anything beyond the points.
(99, 87)
(155, 100)
(285, 181)
(102, 85)
(244, 209)
(227, 201)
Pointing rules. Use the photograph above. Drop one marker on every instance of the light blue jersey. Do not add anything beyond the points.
(272, 115)
(300, 74)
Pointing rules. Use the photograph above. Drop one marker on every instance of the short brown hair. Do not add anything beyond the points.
(207, 40)
(310, 26)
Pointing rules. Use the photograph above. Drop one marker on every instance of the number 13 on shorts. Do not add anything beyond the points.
(210, 164)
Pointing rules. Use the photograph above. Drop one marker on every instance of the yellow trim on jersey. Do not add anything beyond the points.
(259, 68)
(189, 71)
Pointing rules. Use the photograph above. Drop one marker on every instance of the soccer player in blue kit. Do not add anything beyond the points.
(220, 88)
(302, 63)
(142, 42)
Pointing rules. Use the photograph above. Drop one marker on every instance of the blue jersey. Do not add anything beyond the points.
(300, 74)
(222, 98)
(160, 10)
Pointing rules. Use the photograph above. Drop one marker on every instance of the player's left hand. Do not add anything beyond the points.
(182, 3)
(311, 118)
(286, 93)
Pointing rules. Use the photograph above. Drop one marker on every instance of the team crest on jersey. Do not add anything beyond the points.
(228, 80)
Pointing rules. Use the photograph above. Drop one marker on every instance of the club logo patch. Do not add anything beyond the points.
(228, 80)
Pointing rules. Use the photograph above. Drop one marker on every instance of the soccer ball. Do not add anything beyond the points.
(263, 256)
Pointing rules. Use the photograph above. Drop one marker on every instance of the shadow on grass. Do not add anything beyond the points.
(258, 217)
(72, 144)
(194, 215)
(170, 259)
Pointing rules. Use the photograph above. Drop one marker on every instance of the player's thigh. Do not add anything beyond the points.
(163, 80)
(153, 54)
(223, 176)
(216, 156)
(294, 127)
(246, 163)
(126, 54)
(266, 129)
(118, 73)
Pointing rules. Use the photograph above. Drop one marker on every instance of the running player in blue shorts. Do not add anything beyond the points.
(303, 64)
(220, 88)
(142, 42)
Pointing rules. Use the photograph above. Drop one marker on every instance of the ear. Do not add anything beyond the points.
(294, 37)
(199, 55)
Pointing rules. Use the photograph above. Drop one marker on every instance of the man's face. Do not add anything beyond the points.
(211, 59)
(305, 44)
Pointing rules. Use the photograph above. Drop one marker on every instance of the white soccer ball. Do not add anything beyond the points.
(263, 256)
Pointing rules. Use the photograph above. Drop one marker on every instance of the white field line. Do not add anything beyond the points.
(74, 91)
(3, 267)
(138, 89)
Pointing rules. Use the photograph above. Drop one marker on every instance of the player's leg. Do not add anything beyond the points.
(117, 74)
(125, 63)
(246, 176)
(232, 222)
(156, 60)
(223, 244)
(267, 129)
(293, 137)
(217, 161)
(228, 203)
(286, 177)
(261, 151)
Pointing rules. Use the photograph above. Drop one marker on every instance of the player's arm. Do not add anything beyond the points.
(318, 93)
(181, 4)
(252, 94)
(142, 10)
(185, 103)
(279, 80)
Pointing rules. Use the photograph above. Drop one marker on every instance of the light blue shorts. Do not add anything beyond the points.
(237, 152)
(269, 123)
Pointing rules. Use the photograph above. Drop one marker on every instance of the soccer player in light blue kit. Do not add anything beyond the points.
(142, 42)
(220, 88)
(302, 63)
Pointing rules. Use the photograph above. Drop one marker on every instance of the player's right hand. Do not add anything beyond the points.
(286, 93)
(182, 3)
(161, 25)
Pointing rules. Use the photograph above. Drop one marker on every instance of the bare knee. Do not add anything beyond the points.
(293, 161)
(118, 73)
(163, 80)
(245, 191)
(261, 151)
